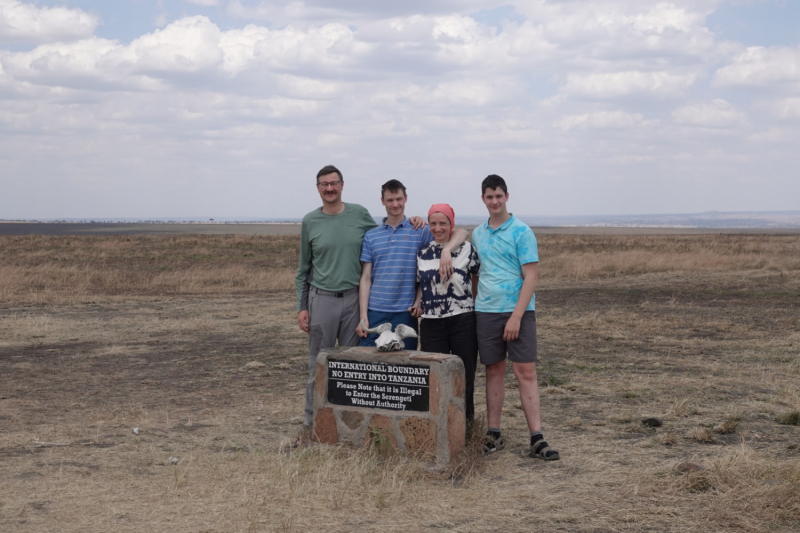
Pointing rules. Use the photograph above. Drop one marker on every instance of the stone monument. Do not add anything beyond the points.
(412, 402)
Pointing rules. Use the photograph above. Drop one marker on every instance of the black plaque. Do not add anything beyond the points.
(378, 385)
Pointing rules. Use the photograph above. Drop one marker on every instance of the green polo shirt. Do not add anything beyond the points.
(331, 244)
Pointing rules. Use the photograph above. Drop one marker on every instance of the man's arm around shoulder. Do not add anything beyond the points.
(446, 260)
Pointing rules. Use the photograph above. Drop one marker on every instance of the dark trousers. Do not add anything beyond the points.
(454, 335)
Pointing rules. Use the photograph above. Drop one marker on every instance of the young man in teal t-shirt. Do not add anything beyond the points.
(505, 314)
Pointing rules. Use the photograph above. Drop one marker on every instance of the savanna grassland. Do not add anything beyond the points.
(192, 340)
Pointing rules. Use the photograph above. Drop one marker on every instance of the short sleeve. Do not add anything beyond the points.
(476, 237)
(426, 237)
(474, 261)
(366, 250)
(527, 250)
(367, 222)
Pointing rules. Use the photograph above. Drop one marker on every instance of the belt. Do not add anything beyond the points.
(340, 294)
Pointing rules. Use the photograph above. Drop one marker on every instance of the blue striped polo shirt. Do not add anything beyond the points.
(393, 254)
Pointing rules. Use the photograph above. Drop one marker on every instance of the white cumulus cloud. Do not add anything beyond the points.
(784, 108)
(188, 46)
(600, 120)
(715, 114)
(616, 28)
(27, 23)
(625, 83)
(773, 67)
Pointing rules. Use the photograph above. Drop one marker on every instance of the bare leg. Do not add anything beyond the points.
(495, 392)
(528, 393)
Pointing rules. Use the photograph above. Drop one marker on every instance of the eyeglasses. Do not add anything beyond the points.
(325, 184)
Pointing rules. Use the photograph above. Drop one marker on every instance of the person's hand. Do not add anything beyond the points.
(415, 310)
(445, 265)
(302, 320)
(511, 332)
(359, 330)
(417, 222)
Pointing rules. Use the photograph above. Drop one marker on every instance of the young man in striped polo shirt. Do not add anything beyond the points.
(388, 283)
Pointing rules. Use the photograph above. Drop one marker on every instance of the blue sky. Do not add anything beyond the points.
(767, 23)
(154, 108)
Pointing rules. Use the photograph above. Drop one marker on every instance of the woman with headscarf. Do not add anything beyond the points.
(447, 306)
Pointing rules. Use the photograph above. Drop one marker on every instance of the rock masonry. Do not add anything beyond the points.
(389, 415)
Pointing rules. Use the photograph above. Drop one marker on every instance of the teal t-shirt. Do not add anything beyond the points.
(331, 244)
(503, 251)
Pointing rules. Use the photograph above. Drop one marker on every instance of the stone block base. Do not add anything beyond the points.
(363, 397)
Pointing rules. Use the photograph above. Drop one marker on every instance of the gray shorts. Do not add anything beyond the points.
(491, 346)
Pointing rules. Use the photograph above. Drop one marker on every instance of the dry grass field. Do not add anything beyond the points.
(192, 340)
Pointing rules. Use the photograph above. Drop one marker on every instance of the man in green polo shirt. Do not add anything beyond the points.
(329, 272)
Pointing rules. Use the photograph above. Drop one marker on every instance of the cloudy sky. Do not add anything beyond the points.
(227, 108)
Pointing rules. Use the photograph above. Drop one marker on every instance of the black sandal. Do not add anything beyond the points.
(492, 444)
(542, 451)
